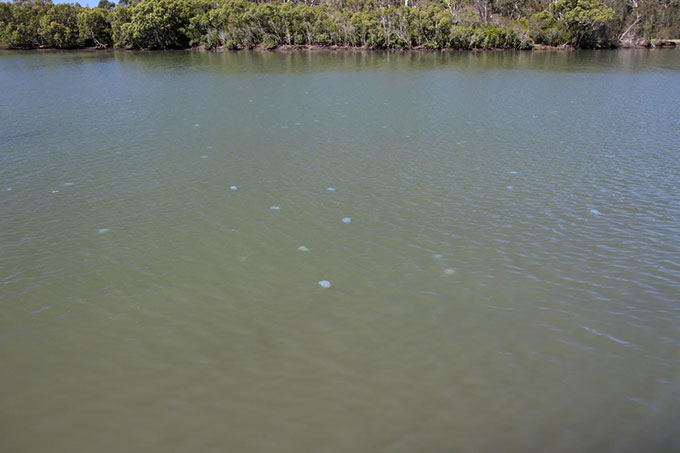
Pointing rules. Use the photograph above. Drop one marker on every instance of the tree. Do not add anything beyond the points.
(484, 10)
(106, 4)
(159, 24)
(582, 18)
(59, 27)
(119, 18)
(94, 28)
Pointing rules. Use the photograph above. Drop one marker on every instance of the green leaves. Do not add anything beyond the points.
(571, 21)
(158, 24)
(94, 28)
(239, 24)
(59, 27)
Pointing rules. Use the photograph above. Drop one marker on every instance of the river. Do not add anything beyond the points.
(500, 232)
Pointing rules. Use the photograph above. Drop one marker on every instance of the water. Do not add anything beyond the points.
(510, 278)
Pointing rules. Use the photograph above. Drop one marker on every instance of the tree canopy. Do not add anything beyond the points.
(238, 24)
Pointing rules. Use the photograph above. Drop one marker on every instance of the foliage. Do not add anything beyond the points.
(119, 17)
(20, 25)
(383, 24)
(94, 28)
(575, 22)
(582, 18)
(158, 24)
(106, 4)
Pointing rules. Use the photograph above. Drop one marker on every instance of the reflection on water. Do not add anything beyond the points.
(339, 251)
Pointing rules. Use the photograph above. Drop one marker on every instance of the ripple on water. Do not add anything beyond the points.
(523, 270)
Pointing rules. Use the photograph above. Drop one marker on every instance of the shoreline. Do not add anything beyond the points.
(651, 44)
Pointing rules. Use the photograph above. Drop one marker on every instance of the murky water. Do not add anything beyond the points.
(509, 279)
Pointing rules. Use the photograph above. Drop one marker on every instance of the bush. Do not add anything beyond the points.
(158, 24)
(238, 24)
(94, 28)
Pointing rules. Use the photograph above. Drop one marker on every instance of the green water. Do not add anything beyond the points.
(510, 279)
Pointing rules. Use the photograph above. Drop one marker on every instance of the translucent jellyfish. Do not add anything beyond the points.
(595, 212)
(331, 189)
(325, 284)
(103, 230)
(509, 187)
(55, 191)
(302, 248)
(233, 188)
(204, 157)
(347, 220)
(274, 208)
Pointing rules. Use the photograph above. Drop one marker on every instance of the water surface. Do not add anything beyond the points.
(509, 279)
